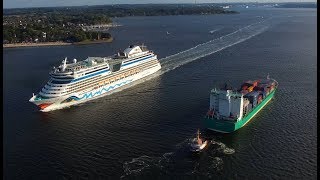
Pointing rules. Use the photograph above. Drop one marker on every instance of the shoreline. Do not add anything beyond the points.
(17, 45)
(59, 43)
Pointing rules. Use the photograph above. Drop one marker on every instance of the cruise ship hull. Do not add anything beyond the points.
(225, 126)
(61, 102)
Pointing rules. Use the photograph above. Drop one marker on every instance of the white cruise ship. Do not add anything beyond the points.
(76, 82)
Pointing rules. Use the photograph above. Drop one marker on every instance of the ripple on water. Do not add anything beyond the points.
(179, 163)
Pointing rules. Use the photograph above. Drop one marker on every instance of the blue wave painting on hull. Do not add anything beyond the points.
(90, 95)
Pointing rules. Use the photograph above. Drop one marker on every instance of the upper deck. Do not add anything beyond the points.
(70, 69)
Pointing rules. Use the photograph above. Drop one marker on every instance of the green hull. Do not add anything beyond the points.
(226, 126)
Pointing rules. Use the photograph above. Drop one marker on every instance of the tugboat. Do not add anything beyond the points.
(197, 144)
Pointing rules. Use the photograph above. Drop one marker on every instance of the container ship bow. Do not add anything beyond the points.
(232, 109)
(76, 82)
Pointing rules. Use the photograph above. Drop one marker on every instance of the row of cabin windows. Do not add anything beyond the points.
(110, 80)
(63, 78)
(135, 59)
(53, 85)
(96, 70)
(67, 82)
(78, 85)
(51, 93)
(107, 81)
(107, 67)
(119, 77)
(87, 82)
(60, 82)
(84, 83)
(52, 89)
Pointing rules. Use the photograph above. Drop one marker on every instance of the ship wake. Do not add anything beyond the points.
(173, 61)
(179, 164)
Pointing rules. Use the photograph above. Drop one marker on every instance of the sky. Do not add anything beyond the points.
(53, 3)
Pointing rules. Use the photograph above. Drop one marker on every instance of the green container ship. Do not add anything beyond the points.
(230, 109)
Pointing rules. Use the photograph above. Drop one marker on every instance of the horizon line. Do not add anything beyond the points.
(156, 4)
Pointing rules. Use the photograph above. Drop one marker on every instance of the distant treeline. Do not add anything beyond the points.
(51, 27)
(66, 23)
(125, 10)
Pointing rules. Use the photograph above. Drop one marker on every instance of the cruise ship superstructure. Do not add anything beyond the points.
(76, 82)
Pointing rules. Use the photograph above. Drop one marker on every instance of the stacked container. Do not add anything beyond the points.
(271, 88)
(259, 99)
(245, 85)
(253, 97)
(267, 91)
(250, 88)
(255, 83)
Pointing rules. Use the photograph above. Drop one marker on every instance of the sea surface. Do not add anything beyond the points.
(142, 132)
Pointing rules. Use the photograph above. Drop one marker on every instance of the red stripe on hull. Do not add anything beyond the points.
(44, 105)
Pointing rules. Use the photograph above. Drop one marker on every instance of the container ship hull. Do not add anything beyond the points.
(214, 122)
(229, 127)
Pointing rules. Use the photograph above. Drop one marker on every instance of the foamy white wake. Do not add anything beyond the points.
(214, 30)
(171, 62)
(166, 165)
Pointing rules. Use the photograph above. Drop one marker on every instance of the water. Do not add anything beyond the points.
(143, 131)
